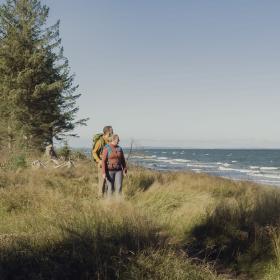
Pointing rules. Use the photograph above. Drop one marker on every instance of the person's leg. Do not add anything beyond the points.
(118, 182)
(110, 183)
(101, 182)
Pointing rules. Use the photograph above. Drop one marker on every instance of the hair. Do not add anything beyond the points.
(107, 129)
(113, 137)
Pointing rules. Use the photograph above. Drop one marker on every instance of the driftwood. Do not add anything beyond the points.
(51, 160)
(67, 164)
(37, 164)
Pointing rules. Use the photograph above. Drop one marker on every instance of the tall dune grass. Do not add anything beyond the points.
(168, 226)
(54, 227)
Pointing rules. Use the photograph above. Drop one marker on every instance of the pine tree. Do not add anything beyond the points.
(37, 91)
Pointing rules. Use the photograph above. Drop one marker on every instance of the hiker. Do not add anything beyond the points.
(113, 166)
(99, 142)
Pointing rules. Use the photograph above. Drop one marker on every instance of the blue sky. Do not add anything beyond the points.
(175, 73)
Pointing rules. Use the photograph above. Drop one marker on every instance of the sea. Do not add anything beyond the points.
(261, 166)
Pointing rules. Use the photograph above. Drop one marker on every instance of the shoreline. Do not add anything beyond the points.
(258, 166)
(153, 163)
(259, 182)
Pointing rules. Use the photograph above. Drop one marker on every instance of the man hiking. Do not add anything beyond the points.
(99, 142)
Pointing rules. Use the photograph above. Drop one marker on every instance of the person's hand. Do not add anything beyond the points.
(104, 176)
(100, 164)
(125, 172)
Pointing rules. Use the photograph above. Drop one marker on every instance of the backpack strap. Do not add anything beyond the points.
(102, 142)
(109, 148)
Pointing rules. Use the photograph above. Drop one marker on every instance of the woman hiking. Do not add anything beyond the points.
(113, 166)
(99, 142)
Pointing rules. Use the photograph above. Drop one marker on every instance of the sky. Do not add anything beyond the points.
(180, 73)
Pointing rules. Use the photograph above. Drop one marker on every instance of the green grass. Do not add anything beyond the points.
(168, 226)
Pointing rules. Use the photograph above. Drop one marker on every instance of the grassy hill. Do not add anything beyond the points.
(167, 226)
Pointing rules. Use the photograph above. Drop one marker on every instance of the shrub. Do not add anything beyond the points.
(64, 152)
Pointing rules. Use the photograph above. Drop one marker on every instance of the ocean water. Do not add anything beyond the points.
(261, 166)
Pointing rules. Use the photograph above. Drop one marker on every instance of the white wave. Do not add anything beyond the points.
(196, 170)
(226, 168)
(253, 172)
(148, 157)
(269, 168)
(181, 160)
(270, 176)
(201, 165)
(235, 169)
(162, 165)
(141, 157)
(244, 170)
(164, 159)
(219, 163)
(164, 152)
(234, 161)
(174, 153)
(206, 154)
(254, 167)
(226, 164)
(182, 153)
(170, 161)
(229, 155)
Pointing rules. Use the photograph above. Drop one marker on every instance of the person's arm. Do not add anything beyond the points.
(104, 161)
(95, 150)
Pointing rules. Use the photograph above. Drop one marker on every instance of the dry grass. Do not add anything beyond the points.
(53, 226)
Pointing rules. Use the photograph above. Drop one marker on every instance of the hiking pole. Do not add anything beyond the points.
(130, 151)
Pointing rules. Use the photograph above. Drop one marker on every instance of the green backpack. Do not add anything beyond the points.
(96, 138)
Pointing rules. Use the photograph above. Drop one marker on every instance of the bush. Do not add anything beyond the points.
(79, 155)
(14, 161)
(64, 152)
(20, 161)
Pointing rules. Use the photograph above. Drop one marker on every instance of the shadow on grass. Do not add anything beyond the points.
(80, 254)
(139, 182)
(238, 231)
